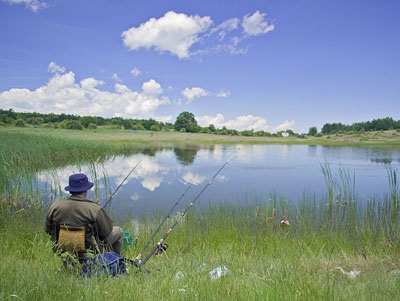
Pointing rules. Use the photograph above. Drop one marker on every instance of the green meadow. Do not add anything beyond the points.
(331, 250)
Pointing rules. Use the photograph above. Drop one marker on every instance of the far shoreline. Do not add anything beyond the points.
(386, 139)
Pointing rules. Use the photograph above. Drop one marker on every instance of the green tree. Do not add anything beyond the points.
(313, 131)
(92, 126)
(148, 124)
(86, 120)
(186, 122)
(249, 133)
(35, 120)
(20, 123)
(71, 125)
(155, 128)
(4, 118)
(334, 128)
(127, 124)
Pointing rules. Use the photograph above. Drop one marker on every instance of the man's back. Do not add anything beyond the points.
(78, 211)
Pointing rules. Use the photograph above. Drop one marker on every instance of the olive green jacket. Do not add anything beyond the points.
(78, 211)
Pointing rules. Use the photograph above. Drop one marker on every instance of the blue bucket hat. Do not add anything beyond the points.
(78, 183)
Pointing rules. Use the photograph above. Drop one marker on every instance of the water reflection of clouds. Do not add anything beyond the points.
(258, 169)
(217, 153)
(221, 178)
(250, 153)
(286, 150)
(135, 197)
(191, 178)
(150, 172)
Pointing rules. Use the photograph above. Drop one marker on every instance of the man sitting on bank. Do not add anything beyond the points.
(77, 211)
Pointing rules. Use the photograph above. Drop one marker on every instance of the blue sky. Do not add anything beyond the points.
(260, 64)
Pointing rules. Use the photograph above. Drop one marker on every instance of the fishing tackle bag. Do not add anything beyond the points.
(108, 263)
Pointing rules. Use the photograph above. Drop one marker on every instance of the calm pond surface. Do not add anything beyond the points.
(254, 173)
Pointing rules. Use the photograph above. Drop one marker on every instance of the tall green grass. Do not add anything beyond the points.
(22, 155)
(265, 261)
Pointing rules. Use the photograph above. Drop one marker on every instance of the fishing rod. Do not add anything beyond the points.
(139, 263)
(162, 223)
(119, 186)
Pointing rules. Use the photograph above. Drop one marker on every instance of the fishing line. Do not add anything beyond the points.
(158, 247)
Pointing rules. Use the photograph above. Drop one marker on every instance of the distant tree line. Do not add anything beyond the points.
(185, 122)
(75, 122)
(383, 124)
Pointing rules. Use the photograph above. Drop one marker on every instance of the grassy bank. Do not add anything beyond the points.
(306, 261)
(119, 137)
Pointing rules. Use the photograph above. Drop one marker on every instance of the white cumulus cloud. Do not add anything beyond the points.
(64, 94)
(116, 78)
(255, 24)
(178, 34)
(54, 68)
(223, 93)
(173, 32)
(152, 88)
(223, 29)
(247, 122)
(135, 72)
(90, 83)
(286, 125)
(195, 92)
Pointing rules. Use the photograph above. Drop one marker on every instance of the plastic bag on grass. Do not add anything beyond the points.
(218, 272)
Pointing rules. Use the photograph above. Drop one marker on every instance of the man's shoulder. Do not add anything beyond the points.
(82, 199)
(76, 201)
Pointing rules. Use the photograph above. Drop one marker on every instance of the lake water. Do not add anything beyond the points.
(254, 173)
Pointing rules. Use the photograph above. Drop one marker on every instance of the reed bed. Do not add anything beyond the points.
(23, 154)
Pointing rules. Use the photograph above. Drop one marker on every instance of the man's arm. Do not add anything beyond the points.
(104, 224)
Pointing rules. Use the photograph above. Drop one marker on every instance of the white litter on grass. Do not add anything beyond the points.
(179, 275)
(395, 272)
(218, 272)
(352, 274)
